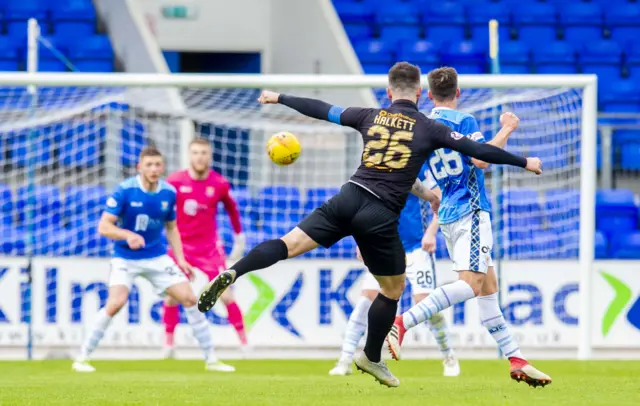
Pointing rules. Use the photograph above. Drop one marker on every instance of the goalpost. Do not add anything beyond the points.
(84, 131)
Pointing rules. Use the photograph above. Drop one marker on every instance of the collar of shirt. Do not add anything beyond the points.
(152, 192)
(405, 103)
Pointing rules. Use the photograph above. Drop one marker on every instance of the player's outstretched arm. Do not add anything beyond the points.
(239, 240)
(107, 228)
(509, 122)
(429, 238)
(485, 152)
(315, 108)
(420, 190)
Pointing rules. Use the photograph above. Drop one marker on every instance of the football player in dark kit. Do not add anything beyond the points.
(397, 141)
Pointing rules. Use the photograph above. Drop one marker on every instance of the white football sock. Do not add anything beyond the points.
(492, 318)
(440, 330)
(201, 331)
(356, 327)
(440, 299)
(100, 325)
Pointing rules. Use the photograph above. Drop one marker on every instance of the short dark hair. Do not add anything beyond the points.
(443, 83)
(200, 141)
(404, 76)
(149, 151)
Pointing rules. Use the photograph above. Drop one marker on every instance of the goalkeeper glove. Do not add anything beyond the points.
(239, 243)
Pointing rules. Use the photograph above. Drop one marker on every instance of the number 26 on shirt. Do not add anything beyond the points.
(444, 164)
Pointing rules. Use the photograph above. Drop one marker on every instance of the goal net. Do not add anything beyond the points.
(65, 146)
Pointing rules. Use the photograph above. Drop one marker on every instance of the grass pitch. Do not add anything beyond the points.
(281, 383)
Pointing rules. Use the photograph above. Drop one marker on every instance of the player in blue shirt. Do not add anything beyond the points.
(466, 224)
(135, 217)
(419, 243)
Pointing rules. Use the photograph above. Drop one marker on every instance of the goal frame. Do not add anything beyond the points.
(588, 84)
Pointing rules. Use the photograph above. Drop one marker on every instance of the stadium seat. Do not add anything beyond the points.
(94, 65)
(8, 54)
(48, 206)
(423, 53)
(358, 32)
(626, 245)
(92, 47)
(467, 56)
(623, 20)
(555, 57)
(480, 14)
(352, 12)
(84, 199)
(562, 208)
(18, 13)
(132, 141)
(444, 22)
(345, 248)
(376, 56)
(621, 96)
(601, 249)
(603, 58)
(633, 60)
(13, 240)
(616, 211)
(536, 23)
(515, 57)
(6, 205)
(630, 156)
(280, 199)
(19, 147)
(74, 20)
(582, 22)
(523, 208)
(81, 147)
(394, 33)
(401, 14)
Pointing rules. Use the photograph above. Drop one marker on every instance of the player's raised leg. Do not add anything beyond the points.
(493, 320)
(120, 280)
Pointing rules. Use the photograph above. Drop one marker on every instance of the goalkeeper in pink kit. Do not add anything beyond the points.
(199, 190)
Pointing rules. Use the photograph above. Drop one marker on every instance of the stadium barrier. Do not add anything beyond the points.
(300, 310)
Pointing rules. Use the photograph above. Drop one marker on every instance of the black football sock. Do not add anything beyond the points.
(261, 256)
(382, 313)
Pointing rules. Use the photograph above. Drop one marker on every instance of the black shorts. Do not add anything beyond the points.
(355, 211)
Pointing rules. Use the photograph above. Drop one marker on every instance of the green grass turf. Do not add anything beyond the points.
(280, 383)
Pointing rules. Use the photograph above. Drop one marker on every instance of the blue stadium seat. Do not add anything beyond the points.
(582, 22)
(633, 60)
(92, 47)
(375, 55)
(630, 156)
(345, 248)
(626, 245)
(562, 208)
(621, 96)
(536, 23)
(280, 199)
(616, 211)
(316, 196)
(13, 240)
(603, 58)
(479, 16)
(6, 205)
(358, 32)
(74, 20)
(444, 22)
(84, 200)
(18, 13)
(52, 66)
(515, 57)
(467, 56)
(84, 150)
(132, 141)
(352, 12)
(401, 14)
(8, 54)
(279, 224)
(48, 208)
(423, 53)
(623, 20)
(555, 57)
(19, 146)
(395, 33)
(94, 65)
(601, 249)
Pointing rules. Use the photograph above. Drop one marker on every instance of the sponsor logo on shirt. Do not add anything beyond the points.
(185, 189)
(136, 204)
(477, 136)
(456, 135)
(111, 202)
(165, 206)
(190, 207)
(210, 191)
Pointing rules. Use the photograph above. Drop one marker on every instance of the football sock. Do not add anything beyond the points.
(261, 256)
(170, 319)
(201, 330)
(440, 299)
(356, 327)
(381, 315)
(100, 325)
(440, 330)
(492, 318)
(235, 318)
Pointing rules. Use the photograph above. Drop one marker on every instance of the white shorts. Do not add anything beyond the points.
(470, 242)
(161, 271)
(420, 273)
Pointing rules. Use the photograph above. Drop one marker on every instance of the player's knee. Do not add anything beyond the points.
(474, 279)
(393, 288)
(189, 301)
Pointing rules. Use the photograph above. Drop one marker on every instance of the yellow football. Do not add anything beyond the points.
(283, 148)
